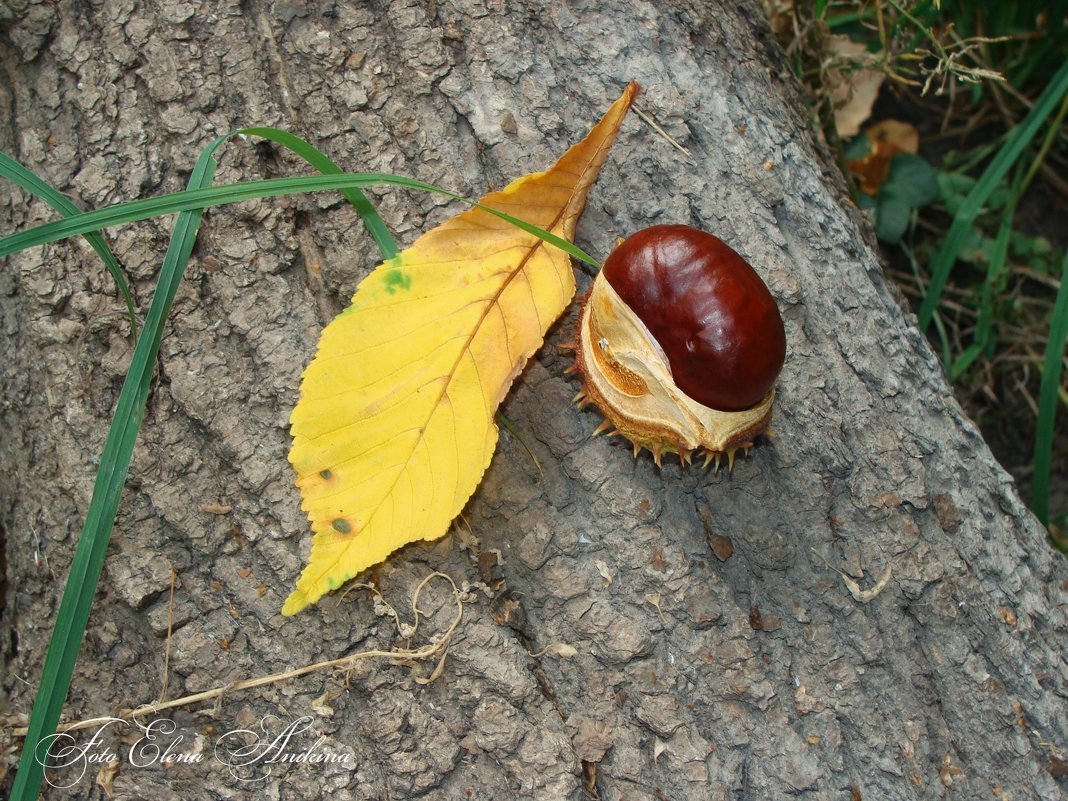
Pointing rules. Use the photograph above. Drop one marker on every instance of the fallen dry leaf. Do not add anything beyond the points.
(394, 427)
(887, 138)
(853, 87)
(893, 133)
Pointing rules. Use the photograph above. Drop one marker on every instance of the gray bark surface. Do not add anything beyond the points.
(700, 671)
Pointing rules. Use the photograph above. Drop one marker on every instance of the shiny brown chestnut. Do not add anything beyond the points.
(680, 343)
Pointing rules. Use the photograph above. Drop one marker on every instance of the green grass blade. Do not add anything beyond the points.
(13, 171)
(92, 545)
(376, 227)
(995, 270)
(1048, 398)
(233, 193)
(841, 20)
(1006, 157)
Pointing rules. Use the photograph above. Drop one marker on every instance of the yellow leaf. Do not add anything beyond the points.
(394, 427)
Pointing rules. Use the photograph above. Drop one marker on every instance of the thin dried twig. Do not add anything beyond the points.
(862, 596)
(436, 648)
(656, 127)
(167, 648)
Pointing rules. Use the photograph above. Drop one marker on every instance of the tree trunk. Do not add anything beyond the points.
(718, 649)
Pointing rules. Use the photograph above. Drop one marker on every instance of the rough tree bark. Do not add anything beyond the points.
(697, 673)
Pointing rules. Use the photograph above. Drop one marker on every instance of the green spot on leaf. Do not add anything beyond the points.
(397, 279)
(333, 582)
(326, 474)
(342, 526)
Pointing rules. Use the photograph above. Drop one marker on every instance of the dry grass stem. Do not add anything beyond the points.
(435, 649)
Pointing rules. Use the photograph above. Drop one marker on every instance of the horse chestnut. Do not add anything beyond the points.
(680, 343)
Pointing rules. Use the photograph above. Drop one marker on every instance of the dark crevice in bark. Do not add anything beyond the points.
(517, 622)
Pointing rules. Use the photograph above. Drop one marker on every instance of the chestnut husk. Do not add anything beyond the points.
(679, 345)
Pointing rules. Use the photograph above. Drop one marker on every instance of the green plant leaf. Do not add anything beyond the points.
(892, 215)
(865, 201)
(1048, 397)
(996, 272)
(912, 179)
(953, 189)
(234, 193)
(311, 154)
(857, 147)
(910, 184)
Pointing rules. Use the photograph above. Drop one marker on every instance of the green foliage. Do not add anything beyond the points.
(1047, 396)
(1003, 66)
(910, 185)
(965, 217)
(1037, 32)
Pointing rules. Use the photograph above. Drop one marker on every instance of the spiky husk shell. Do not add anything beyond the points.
(626, 374)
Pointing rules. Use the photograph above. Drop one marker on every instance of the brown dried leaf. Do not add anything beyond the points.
(893, 133)
(853, 90)
(105, 777)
